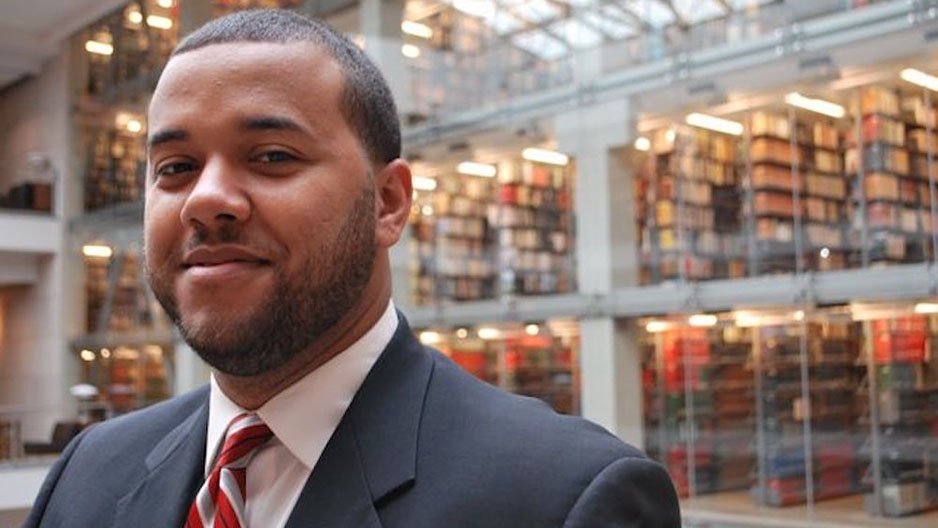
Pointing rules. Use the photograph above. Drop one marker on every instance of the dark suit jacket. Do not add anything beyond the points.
(423, 444)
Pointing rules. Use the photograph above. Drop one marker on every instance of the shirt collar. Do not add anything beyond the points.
(304, 415)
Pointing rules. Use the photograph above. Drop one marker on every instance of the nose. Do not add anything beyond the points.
(217, 198)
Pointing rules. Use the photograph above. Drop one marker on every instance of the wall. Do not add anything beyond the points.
(36, 367)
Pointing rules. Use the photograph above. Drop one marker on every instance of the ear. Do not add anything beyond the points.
(393, 197)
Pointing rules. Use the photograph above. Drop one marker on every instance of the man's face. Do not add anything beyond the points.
(260, 207)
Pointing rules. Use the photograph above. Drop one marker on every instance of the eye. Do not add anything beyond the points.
(175, 168)
(275, 156)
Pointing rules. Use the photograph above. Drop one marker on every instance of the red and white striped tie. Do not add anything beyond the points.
(220, 501)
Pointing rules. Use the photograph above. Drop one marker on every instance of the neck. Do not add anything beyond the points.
(251, 392)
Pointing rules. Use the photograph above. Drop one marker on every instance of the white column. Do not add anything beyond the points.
(380, 25)
(611, 389)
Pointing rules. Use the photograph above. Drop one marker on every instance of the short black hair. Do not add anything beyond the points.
(366, 99)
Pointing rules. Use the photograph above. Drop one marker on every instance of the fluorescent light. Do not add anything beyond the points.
(472, 168)
(532, 329)
(97, 251)
(819, 106)
(926, 308)
(643, 144)
(98, 47)
(716, 124)
(416, 29)
(410, 51)
(423, 183)
(135, 17)
(702, 320)
(487, 332)
(545, 156)
(920, 78)
(165, 4)
(746, 319)
(430, 338)
(654, 327)
(159, 22)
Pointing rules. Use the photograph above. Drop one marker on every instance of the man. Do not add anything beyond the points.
(274, 190)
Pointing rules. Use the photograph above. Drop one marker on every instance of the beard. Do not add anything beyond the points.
(301, 308)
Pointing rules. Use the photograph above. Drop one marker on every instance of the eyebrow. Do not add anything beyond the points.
(165, 136)
(251, 123)
(271, 123)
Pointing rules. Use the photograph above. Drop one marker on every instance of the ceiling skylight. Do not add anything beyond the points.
(537, 11)
(655, 13)
(540, 44)
(696, 11)
(578, 34)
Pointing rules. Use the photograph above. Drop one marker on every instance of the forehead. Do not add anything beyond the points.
(297, 76)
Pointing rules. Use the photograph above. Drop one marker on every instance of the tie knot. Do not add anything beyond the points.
(245, 434)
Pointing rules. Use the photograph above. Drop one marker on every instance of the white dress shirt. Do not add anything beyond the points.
(302, 417)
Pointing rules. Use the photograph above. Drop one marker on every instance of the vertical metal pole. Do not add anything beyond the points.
(875, 441)
(930, 159)
(691, 426)
(679, 224)
(806, 415)
(750, 197)
(861, 182)
(760, 414)
(796, 191)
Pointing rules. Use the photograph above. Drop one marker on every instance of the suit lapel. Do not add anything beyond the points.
(373, 452)
(175, 473)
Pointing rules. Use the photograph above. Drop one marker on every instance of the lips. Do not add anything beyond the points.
(218, 265)
(217, 256)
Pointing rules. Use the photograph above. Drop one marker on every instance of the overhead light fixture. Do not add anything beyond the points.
(87, 355)
(488, 333)
(159, 22)
(472, 168)
(97, 251)
(134, 17)
(643, 144)
(430, 338)
(920, 78)
(134, 126)
(798, 315)
(702, 320)
(426, 210)
(416, 29)
(462, 333)
(926, 308)
(717, 124)
(165, 4)
(746, 319)
(410, 51)
(99, 48)
(654, 327)
(532, 329)
(819, 106)
(423, 183)
(551, 157)
(105, 353)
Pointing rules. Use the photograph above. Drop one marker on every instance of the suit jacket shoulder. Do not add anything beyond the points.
(107, 461)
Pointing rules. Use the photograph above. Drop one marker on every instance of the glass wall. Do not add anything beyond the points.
(804, 183)
(536, 359)
(818, 411)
